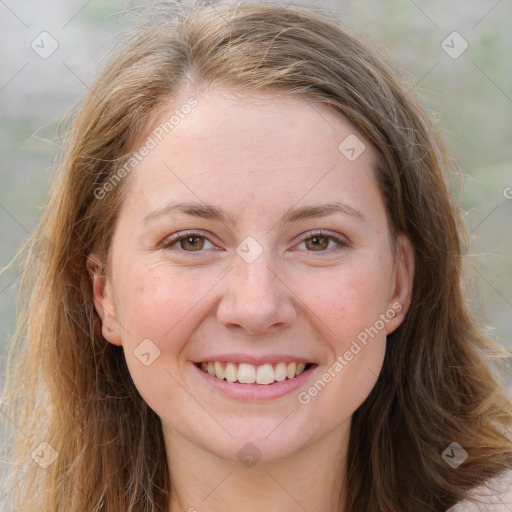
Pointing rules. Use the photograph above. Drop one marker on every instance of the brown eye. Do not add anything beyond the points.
(321, 242)
(317, 243)
(187, 242)
(192, 243)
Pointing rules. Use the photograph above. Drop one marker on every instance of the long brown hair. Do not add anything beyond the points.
(68, 387)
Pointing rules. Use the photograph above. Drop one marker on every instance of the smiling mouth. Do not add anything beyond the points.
(245, 373)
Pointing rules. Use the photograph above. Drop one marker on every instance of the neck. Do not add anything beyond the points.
(310, 479)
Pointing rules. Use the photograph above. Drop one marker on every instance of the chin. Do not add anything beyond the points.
(262, 441)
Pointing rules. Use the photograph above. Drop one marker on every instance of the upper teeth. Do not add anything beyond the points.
(250, 374)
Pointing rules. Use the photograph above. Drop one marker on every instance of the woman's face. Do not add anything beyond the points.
(253, 236)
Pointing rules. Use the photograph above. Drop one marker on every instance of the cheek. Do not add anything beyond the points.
(157, 301)
(349, 308)
(346, 301)
(159, 308)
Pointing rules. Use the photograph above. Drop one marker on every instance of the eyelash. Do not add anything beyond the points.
(175, 239)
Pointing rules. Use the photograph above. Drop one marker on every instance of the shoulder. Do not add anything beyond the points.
(494, 496)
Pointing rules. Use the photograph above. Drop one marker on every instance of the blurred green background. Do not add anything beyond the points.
(470, 97)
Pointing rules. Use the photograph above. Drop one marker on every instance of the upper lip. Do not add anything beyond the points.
(254, 359)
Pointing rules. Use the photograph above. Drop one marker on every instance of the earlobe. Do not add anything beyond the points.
(402, 284)
(103, 300)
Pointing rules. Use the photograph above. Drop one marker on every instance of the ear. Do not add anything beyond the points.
(401, 283)
(104, 300)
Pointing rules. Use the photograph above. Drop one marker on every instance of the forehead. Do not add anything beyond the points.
(239, 147)
(274, 122)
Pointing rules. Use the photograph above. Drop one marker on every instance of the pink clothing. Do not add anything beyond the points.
(495, 496)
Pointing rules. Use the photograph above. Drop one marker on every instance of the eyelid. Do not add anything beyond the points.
(176, 237)
(339, 239)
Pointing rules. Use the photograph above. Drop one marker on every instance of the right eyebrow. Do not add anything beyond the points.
(204, 211)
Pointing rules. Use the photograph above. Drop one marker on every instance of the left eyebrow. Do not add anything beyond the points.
(311, 212)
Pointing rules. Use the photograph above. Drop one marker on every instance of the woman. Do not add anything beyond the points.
(249, 292)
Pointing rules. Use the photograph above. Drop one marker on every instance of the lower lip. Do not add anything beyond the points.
(256, 392)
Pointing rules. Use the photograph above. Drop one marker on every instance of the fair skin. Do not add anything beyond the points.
(306, 297)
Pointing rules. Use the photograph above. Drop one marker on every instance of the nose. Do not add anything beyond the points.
(257, 299)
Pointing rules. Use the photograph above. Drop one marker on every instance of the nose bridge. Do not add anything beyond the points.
(256, 298)
(255, 283)
(253, 266)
